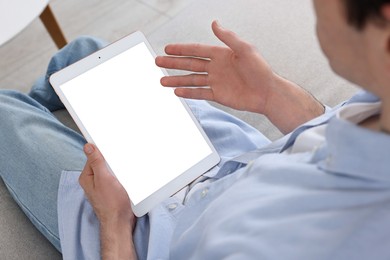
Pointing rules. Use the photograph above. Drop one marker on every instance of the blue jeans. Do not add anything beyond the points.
(36, 147)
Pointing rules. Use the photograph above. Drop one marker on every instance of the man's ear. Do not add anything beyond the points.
(385, 11)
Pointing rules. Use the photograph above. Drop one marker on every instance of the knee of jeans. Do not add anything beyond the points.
(7, 102)
(9, 96)
(74, 51)
(13, 100)
(87, 44)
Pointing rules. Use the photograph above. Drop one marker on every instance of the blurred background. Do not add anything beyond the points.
(25, 55)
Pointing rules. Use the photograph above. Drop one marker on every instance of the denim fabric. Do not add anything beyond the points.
(36, 147)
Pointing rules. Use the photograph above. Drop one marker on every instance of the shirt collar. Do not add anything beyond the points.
(361, 96)
(356, 151)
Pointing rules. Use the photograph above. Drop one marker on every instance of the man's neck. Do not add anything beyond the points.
(379, 122)
(384, 120)
(371, 123)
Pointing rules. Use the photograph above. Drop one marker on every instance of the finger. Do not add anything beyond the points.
(195, 93)
(228, 37)
(196, 80)
(96, 161)
(86, 178)
(189, 49)
(180, 63)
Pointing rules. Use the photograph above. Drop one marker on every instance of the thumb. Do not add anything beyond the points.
(228, 37)
(96, 162)
(87, 176)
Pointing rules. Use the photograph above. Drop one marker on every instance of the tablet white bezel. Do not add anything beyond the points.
(101, 56)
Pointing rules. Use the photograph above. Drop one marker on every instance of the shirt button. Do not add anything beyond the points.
(204, 193)
(172, 206)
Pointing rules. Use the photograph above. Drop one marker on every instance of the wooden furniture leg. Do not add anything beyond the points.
(52, 27)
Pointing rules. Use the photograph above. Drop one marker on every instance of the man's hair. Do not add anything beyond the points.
(359, 12)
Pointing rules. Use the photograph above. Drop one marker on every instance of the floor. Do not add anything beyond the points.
(25, 57)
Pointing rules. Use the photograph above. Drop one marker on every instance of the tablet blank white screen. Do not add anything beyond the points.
(142, 128)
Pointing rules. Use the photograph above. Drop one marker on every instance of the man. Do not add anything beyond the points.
(321, 192)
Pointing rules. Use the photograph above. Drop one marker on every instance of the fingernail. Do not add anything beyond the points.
(88, 149)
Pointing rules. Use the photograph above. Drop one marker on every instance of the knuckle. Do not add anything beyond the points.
(207, 81)
(197, 46)
(199, 80)
(194, 79)
(231, 34)
(190, 64)
(174, 61)
(95, 161)
(181, 81)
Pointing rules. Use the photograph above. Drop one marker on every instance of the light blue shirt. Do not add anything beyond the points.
(329, 203)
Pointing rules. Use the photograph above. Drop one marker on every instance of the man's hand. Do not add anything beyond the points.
(237, 76)
(111, 205)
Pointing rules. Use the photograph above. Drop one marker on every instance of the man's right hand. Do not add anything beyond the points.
(111, 205)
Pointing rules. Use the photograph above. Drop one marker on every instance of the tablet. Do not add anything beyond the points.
(149, 137)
